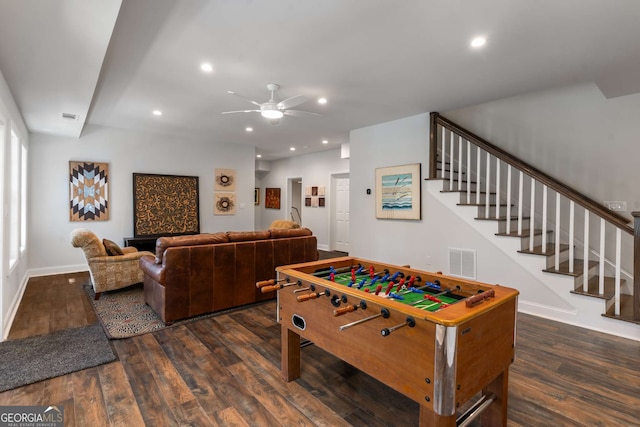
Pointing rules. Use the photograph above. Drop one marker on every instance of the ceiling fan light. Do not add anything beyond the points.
(272, 114)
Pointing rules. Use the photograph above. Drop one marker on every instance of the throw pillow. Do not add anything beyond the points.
(112, 248)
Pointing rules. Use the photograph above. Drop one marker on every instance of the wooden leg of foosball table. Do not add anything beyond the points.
(290, 354)
(496, 413)
(428, 418)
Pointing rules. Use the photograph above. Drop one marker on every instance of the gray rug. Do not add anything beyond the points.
(29, 360)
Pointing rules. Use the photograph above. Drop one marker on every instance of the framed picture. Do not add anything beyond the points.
(256, 196)
(224, 203)
(398, 192)
(272, 198)
(88, 191)
(165, 205)
(225, 180)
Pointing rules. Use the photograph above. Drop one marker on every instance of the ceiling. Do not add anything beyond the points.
(112, 62)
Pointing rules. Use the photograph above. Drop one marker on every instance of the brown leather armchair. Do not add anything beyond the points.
(108, 272)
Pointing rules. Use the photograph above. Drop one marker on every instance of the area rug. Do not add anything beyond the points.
(29, 360)
(123, 313)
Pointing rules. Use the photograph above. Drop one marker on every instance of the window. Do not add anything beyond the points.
(23, 201)
(14, 200)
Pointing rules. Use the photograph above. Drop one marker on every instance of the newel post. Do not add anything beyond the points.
(636, 265)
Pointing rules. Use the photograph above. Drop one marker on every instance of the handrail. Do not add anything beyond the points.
(579, 198)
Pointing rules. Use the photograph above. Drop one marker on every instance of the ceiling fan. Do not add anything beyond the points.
(273, 109)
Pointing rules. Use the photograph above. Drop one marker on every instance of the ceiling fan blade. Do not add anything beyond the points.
(241, 111)
(300, 113)
(244, 97)
(292, 102)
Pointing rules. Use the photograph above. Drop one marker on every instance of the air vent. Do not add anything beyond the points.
(462, 263)
(69, 116)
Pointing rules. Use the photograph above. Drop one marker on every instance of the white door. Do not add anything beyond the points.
(341, 240)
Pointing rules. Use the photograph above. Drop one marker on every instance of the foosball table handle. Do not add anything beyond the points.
(477, 299)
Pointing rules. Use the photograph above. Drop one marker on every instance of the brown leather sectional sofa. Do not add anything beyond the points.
(203, 273)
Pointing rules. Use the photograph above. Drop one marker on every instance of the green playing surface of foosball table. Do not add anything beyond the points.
(411, 290)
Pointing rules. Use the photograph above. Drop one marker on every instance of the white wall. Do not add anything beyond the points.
(126, 152)
(425, 244)
(315, 170)
(12, 282)
(572, 133)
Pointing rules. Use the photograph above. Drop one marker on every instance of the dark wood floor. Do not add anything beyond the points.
(224, 371)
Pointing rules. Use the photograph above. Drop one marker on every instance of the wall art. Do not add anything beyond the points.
(88, 191)
(398, 192)
(165, 205)
(225, 180)
(224, 203)
(272, 198)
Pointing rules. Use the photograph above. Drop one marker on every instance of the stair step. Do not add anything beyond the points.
(525, 233)
(500, 218)
(551, 250)
(491, 205)
(593, 288)
(482, 193)
(563, 268)
(626, 310)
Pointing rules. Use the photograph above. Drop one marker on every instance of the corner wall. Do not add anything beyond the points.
(315, 170)
(126, 152)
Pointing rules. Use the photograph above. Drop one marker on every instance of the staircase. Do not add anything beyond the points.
(591, 247)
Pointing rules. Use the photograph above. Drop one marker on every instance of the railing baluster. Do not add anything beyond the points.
(459, 163)
(468, 172)
(601, 259)
(556, 234)
(478, 175)
(618, 260)
(443, 163)
(544, 219)
(508, 199)
(497, 188)
(487, 186)
(585, 256)
(572, 208)
(520, 191)
(451, 159)
(532, 214)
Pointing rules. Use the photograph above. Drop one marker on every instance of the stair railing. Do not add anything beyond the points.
(468, 162)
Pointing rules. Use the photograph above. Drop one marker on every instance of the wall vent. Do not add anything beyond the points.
(69, 116)
(462, 263)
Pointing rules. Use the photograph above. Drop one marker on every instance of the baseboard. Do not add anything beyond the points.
(323, 247)
(49, 271)
(551, 313)
(13, 308)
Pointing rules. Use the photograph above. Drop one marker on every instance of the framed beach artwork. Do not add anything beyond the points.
(398, 192)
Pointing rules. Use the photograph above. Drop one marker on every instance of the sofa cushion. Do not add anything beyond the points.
(279, 233)
(245, 236)
(189, 240)
(112, 247)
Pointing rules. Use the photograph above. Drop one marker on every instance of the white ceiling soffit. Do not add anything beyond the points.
(51, 53)
(375, 61)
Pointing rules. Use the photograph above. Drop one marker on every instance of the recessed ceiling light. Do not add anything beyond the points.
(478, 41)
(324, 141)
(258, 155)
(292, 149)
(206, 67)
(322, 100)
(157, 112)
(249, 129)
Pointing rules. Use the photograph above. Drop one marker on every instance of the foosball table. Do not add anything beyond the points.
(456, 337)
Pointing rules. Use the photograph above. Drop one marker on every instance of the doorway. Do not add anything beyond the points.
(340, 212)
(295, 200)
